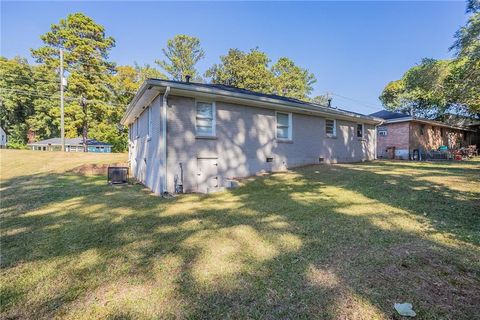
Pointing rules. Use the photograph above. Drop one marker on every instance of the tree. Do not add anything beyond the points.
(86, 48)
(128, 79)
(243, 70)
(45, 120)
(436, 87)
(182, 54)
(292, 81)
(421, 90)
(322, 100)
(251, 70)
(17, 93)
(464, 82)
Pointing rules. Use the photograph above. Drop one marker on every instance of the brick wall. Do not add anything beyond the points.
(397, 136)
(433, 137)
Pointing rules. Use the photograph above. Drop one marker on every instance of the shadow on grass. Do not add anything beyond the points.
(319, 242)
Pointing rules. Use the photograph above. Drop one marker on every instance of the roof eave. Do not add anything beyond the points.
(267, 101)
(432, 122)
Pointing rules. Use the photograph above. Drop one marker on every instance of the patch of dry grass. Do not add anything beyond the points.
(342, 241)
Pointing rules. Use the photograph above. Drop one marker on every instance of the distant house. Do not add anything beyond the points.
(3, 139)
(402, 136)
(71, 145)
(196, 137)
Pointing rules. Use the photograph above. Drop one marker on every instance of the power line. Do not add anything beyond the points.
(70, 99)
(356, 101)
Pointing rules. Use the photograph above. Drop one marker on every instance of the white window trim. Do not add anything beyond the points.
(149, 133)
(334, 134)
(290, 122)
(214, 119)
(137, 135)
(363, 131)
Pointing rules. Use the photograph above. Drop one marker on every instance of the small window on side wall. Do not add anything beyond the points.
(359, 130)
(331, 127)
(149, 135)
(205, 119)
(284, 126)
(422, 129)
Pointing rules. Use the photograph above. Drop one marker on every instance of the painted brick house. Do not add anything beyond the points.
(195, 137)
(406, 136)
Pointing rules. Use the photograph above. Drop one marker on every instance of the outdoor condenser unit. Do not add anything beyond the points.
(117, 175)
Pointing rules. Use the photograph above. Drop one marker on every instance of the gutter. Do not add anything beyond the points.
(164, 139)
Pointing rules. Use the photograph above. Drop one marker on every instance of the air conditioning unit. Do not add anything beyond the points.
(117, 175)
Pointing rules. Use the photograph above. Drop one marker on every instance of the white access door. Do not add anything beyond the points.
(207, 175)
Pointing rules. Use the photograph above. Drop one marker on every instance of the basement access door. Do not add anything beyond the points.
(207, 175)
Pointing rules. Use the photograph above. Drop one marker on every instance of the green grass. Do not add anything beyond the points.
(341, 241)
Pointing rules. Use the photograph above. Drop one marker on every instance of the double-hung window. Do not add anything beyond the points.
(331, 127)
(284, 126)
(359, 130)
(205, 119)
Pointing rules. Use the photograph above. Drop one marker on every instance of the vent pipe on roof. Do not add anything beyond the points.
(187, 78)
(329, 103)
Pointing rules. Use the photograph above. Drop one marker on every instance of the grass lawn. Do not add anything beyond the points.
(341, 241)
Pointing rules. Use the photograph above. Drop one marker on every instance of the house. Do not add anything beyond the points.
(194, 137)
(71, 145)
(402, 136)
(3, 138)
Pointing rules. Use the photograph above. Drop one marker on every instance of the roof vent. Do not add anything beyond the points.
(187, 78)
(329, 102)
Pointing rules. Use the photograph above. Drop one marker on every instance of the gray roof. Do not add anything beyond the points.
(387, 115)
(254, 93)
(145, 96)
(70, 142)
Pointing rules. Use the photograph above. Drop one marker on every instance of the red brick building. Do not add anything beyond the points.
(403, 136)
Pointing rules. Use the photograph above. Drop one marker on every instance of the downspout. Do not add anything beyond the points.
(164, 139)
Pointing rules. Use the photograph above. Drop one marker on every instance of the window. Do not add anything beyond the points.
(205, 119)
(360, 130)
(149, 134)
(331, 127)
(382, 131)
(422, 129)
(137, 134)
(284, 126)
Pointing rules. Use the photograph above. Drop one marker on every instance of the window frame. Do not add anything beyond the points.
(334, 134)
(214, 119)
(290, 126)
(137, 133)
(149, 124)
(363, 131)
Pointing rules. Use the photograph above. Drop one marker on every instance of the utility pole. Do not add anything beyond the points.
(62, 117)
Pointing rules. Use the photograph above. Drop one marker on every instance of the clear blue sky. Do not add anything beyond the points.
(353, 48)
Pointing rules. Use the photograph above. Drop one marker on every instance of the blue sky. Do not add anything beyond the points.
(353, 48)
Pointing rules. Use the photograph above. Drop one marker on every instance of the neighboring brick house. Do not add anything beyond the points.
(406, 135)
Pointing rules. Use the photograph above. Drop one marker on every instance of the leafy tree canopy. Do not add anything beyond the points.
(291, 80)
(182, 54)
(251, 70)
(436, 87)
(16, 99)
